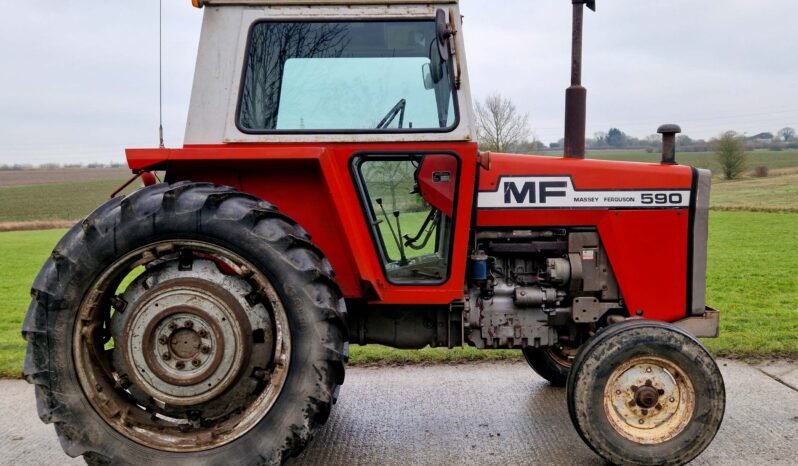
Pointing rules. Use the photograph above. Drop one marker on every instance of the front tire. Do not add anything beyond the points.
(645, 393)
(227, 349)
(552, 363)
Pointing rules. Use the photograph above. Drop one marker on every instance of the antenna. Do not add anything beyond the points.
(160, 73)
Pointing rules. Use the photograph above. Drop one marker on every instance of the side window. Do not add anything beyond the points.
(409, 203)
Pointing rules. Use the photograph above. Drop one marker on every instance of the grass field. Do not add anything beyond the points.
(71, 201)
(61, 201)
(778, 192)
(770, 159)
(752, 279)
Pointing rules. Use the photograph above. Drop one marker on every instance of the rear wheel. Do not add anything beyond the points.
(645, 393)
(552, 363)
(185, 324)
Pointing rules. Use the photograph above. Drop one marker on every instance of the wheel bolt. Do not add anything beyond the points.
(172, 326)
(188, 324)
(195, 362)
(166, 356)
(645, 412)
(180, 365)
(634, 388)
(659, 407)
(206, 349)
(162, 340)
(661, 392)
(203, 333)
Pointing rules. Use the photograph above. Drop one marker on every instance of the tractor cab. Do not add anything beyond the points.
(279, 71)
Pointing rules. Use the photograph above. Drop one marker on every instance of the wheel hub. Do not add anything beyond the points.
(648, 400)
(187, 337)
(186, 346)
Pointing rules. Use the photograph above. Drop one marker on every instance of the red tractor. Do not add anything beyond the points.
(195, 322)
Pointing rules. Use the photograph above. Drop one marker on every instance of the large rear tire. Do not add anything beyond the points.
(645, 393)
(228, 348)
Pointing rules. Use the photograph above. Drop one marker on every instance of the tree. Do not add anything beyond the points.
(730, 152)
(787, 134)
(616, 138)
(386, 177)
(499, 124)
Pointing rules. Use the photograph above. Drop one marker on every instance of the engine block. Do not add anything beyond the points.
(537, 287)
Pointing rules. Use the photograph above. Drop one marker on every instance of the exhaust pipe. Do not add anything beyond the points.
(669, 133)
(576, 95)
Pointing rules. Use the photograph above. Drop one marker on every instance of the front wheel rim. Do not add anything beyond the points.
(137, 409)
(649, 400)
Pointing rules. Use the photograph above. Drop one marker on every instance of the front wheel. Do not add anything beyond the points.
(185, 324)
(552, 363)
(645, 393)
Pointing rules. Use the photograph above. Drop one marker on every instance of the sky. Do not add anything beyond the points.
(79, 79)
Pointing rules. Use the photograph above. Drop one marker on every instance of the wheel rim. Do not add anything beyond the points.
(649, 400)
(193, 353)
(562, 355)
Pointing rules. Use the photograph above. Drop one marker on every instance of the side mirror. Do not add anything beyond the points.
(443, 33)
(439, 48)
(426, 72)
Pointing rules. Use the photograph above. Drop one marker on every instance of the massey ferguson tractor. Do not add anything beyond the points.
(331, 191)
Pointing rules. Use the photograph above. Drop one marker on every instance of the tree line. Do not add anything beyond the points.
(503, 128)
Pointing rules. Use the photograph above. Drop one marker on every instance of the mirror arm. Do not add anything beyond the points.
(458, 72)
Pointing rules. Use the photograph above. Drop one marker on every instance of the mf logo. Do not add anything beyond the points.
(533, 192)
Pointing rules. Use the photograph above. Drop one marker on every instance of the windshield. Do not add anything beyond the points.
(345, 76)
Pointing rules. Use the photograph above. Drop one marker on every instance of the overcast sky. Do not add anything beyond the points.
(79, 81)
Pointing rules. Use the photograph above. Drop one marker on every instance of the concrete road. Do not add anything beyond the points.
(470, 414)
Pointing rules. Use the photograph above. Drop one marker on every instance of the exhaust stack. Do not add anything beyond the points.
(576, 95)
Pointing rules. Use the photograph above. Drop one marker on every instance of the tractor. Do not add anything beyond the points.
(330, 190)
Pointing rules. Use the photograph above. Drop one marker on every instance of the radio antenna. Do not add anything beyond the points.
(160, 73)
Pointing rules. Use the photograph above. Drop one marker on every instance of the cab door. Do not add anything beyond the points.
(418, 215)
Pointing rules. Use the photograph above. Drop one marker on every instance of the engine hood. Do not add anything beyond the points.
(515, 181)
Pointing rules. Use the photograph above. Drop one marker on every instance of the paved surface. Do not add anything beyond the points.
(469, 414)
(785, 372)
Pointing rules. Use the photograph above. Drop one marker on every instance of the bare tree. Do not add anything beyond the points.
(787, 134)
(500, 126)
(386, 177)
(730, 152)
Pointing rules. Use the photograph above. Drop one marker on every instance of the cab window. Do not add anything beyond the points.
(409, 204)
(368, 76)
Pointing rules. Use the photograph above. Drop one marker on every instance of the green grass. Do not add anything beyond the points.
(752, 280)
(64, 201)
(376, 354)
(778, 192)
(23, 253)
